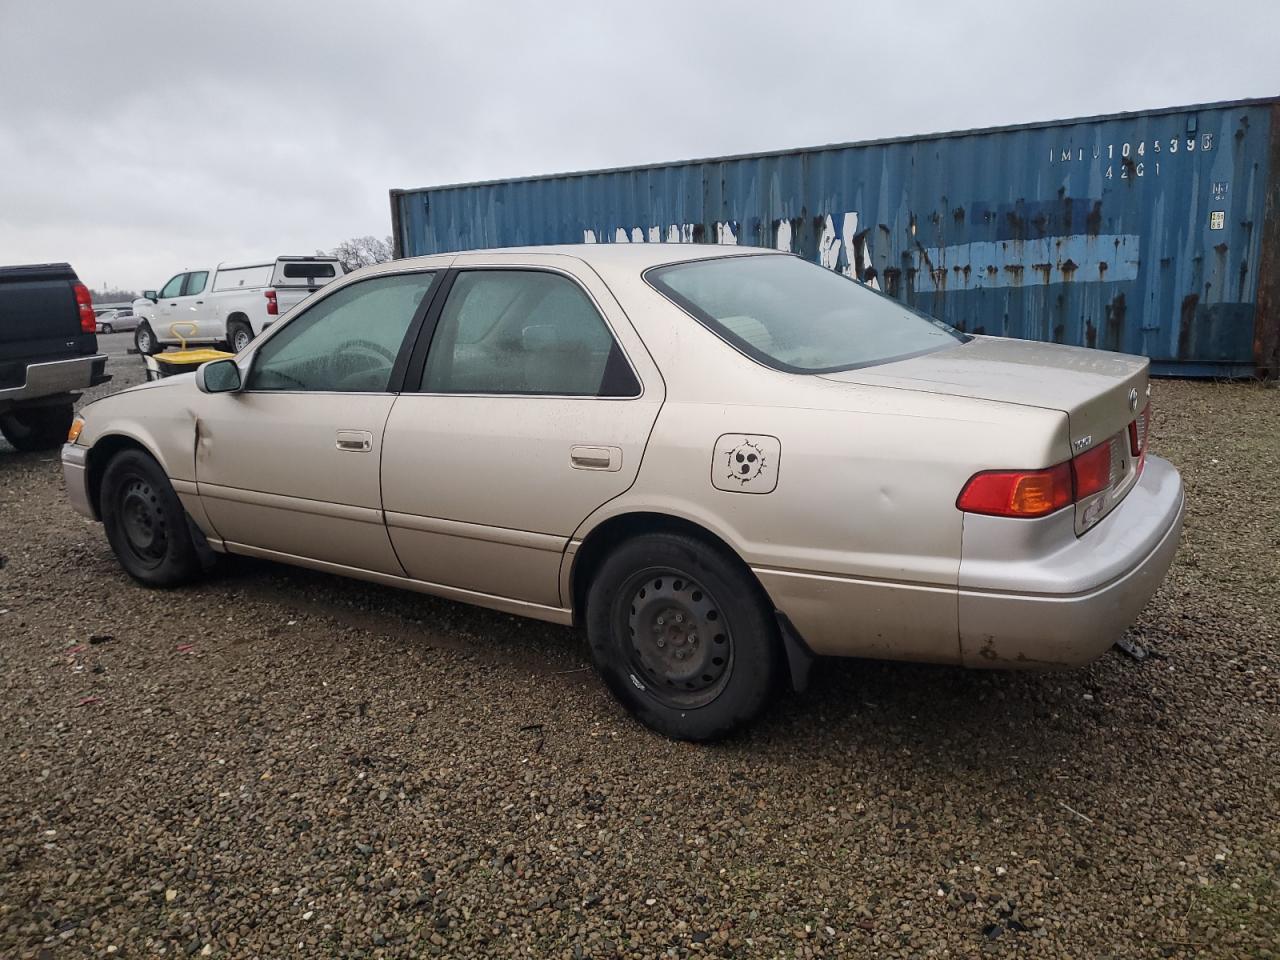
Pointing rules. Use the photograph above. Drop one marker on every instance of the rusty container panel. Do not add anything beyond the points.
(1152, 233)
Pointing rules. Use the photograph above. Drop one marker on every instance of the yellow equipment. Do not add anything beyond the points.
(182, 360)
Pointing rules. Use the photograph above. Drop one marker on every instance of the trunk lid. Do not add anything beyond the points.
(1101, 393)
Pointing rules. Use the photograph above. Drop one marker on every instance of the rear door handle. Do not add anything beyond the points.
(355, 441)
(583, 457)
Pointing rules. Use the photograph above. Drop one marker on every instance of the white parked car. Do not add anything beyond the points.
(230, 304)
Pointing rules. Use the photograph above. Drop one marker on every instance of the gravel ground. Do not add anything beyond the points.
(281, 763)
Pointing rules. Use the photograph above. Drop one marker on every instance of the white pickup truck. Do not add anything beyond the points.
(230, 304)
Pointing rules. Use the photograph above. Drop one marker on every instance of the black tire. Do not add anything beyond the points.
(239, 335)
(730, 657)
(145, 522)
(106, 328)
(38, 428)
(144, 340)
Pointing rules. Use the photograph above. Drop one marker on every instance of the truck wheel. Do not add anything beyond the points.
(145, 341)
(239, 336)
(38, 428)
(145, 522)
(683, 635)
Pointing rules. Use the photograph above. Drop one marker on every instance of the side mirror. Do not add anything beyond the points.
(150, 295)
(218, 376)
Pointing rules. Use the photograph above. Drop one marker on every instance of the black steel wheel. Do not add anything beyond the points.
(683, 635)
(145, 522)
(680, 644)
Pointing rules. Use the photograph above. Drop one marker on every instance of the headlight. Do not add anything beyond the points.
(76, 426)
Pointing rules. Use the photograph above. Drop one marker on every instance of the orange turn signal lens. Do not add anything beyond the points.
(1017, 493)
(76, 426)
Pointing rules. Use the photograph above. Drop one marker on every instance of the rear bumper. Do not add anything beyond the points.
(75, 474)
(57, 377)
(1024, 604)
(1030, 593)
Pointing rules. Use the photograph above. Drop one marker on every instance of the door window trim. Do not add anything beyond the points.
(413, 373)
(396, 378)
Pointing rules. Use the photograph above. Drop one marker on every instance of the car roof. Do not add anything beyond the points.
(634, 256)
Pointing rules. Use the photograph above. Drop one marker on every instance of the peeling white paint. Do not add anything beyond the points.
(673, 234)
(588, 236)
(725, 234)
(828, 245)
(637, 235)
(783, 239)
(655, 234)
(620, 235)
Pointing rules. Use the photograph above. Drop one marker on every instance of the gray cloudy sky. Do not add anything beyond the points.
(138, 138)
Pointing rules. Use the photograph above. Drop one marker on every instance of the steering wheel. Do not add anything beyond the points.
(355, 379)
(370, 347)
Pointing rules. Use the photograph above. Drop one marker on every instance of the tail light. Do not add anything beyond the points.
(1139, 430)
(84, 303)
(1017, 493)
(1092, 470)
(273, 306)
(1036, 493)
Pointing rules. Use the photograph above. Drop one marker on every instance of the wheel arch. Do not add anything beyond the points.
(596, 544)
(101, 454)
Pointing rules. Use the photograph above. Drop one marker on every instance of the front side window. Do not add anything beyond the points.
(173, 288)
(195, 283)
(348, 342)
(796, 316)
(524, 332)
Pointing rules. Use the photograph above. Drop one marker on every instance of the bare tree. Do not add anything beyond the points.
(361, 252)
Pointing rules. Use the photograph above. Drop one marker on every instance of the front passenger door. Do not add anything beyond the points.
(166, 306)
(288, 468)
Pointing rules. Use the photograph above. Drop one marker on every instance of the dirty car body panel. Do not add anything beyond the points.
(448, 458)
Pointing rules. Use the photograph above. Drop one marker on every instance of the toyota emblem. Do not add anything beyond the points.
(1133, 398)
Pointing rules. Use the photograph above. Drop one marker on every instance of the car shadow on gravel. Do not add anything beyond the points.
(979, 721)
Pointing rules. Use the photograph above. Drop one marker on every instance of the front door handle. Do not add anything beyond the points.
(355, 441)
(582, 457)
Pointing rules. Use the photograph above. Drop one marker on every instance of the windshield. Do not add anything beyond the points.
(797, 316)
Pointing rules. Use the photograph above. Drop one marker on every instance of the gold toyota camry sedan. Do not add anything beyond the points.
(721, 462)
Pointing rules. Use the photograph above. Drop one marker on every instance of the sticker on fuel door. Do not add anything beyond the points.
(746, 463)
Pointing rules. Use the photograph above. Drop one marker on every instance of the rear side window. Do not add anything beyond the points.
(524, 332)
(195, 283)
(348, 342)
(240, 278)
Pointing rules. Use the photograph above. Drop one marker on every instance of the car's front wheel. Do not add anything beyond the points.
(38, 428)
(107, 328)
(145, 522)
(144, 340)
(683, 635)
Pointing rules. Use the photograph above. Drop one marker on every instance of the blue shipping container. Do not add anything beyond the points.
(1155, 232)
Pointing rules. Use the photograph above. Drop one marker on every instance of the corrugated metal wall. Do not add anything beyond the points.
(1135, 232)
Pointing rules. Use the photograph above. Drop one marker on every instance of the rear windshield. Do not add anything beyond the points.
(796, 316)
(308, 271)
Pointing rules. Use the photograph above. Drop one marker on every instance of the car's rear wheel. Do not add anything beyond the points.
(106, 328)
(239, 335)
(145, 522)
(683, 636)
(38, 428)
(144, 340)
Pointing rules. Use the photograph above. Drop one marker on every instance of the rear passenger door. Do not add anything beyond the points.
(530, 409)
